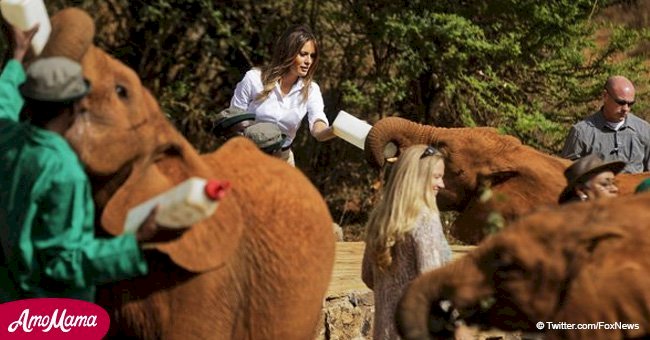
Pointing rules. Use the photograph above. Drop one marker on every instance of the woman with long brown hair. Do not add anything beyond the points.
(283, 91)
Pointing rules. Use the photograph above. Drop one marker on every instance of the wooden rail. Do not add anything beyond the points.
(347, 266)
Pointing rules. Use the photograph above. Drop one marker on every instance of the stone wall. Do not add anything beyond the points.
(348, 309)
(347, 316)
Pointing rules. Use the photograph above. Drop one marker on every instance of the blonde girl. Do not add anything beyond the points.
(404, 236)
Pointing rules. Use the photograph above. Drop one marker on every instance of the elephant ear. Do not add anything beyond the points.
(217, 236)
(72, 34)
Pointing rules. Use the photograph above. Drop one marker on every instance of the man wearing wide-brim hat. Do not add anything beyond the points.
(590, 178)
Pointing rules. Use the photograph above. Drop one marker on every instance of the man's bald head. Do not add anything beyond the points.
(618, 82)
(618, 98)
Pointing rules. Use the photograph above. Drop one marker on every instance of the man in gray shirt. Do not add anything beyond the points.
(613, 132)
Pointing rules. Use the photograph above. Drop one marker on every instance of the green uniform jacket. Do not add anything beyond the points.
(47, 214)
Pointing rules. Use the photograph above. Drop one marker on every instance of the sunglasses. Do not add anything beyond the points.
(620, 102)
(429, 151)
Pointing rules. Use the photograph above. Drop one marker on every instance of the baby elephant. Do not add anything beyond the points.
(580, 271)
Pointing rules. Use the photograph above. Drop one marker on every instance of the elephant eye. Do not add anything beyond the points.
(121, 91)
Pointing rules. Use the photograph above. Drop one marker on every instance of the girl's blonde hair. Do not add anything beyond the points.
(409, 189)
(285, 51)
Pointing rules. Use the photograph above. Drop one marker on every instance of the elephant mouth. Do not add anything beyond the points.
(445, 317)
(487, 313)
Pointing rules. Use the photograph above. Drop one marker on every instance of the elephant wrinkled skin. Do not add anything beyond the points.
(485, 172)
(578, 263)
(258, 268)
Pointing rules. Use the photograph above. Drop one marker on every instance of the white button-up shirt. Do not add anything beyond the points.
(287, 112)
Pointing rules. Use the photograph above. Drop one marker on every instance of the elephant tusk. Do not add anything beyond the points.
(448, 307)
(449, 323)
(487, 303)
(391, 159)
(445, 305)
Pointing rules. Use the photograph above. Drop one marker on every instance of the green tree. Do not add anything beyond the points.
(528, 67)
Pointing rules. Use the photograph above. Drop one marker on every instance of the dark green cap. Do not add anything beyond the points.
(229, 117)
(267, 136)
(55, 79)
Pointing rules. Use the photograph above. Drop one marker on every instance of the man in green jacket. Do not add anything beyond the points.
(46, 210)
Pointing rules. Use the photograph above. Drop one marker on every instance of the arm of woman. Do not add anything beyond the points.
(318, 124)
(322, 132)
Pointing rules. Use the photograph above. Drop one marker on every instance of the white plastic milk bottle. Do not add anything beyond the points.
(183, 205)
(351, 129)
(25, 14)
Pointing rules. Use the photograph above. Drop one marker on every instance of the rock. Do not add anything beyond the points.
(347, 316)
(348, 310)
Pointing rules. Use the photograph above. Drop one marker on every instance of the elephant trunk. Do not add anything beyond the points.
(391, 135)
(435, 301)
(415, 309)
(71, 36)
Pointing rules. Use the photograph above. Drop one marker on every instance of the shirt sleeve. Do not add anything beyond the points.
(65, 245)
(573, 146)
(367, 274)
(243, 92)
(11, 101)
(315, 106)
(646, 158)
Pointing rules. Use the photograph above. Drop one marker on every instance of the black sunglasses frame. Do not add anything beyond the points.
(429, 151)
(620, 102)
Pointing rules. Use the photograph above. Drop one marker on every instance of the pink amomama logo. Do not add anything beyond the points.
(52, 318)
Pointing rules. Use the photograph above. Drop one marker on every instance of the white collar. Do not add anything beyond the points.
(297, 86)
(614, 126)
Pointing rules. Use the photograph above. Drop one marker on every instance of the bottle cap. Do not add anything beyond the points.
(216, 190)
